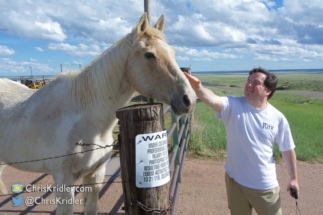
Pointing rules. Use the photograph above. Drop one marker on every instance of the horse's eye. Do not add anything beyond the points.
(149, 55)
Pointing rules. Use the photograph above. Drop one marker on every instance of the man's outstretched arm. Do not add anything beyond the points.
(205, 94)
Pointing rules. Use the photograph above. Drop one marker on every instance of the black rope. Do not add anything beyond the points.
(297, 208)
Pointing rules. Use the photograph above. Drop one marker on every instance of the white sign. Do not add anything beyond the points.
(152, 167)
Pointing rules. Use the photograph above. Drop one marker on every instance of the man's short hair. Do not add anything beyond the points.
(270, 81)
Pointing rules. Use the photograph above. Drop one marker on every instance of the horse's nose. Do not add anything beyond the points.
(186, 101)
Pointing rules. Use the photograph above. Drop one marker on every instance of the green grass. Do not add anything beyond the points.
(304, 114)
(224, 80)
(305, 117)
(208, 133)
(299, 82)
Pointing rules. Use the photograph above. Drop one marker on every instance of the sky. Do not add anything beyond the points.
(48, 37)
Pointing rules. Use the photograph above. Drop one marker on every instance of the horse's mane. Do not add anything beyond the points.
(93, 84)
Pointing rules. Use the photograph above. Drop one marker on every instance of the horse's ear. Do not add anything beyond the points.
(142, 24)
(160, 23)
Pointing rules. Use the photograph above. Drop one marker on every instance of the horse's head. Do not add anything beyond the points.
(153, 71)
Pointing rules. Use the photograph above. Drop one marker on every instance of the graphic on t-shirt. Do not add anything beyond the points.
(267, 126)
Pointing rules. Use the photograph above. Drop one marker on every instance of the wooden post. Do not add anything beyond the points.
(134, 120)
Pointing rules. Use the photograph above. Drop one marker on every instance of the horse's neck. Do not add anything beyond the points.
(103, 84)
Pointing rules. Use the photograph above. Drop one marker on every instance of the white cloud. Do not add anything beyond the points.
(50, 30)
(39, 49)
(26, 19)
(81, 50)
(275, 52)
(182, 58)
(4, 50)
(8, 65)
(103, 21)
(270, 3)
(203, 55)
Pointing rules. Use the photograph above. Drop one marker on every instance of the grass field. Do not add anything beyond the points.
(299, 82)
(305, 116)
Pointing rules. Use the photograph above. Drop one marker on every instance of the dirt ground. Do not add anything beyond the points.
(202, 191)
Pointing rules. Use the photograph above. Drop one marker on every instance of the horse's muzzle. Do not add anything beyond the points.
(182, 106)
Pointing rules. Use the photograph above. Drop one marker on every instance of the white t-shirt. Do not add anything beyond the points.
(251, 134)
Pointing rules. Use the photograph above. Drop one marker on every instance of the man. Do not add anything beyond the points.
(252, 127)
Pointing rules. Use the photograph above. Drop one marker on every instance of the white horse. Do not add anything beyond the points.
(80, 108)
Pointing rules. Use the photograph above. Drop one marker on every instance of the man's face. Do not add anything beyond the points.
(255, 88)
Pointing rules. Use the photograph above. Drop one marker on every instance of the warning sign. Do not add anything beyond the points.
(152, 167)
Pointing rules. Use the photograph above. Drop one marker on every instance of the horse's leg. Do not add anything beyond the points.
(63, 207)
(2, 186)
(91, 195)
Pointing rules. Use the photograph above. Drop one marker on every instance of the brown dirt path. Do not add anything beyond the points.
(202, 191)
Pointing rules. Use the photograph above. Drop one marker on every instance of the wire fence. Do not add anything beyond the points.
(66, 155)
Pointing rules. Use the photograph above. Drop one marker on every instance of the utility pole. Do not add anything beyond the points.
(147, 9)
(31, 72)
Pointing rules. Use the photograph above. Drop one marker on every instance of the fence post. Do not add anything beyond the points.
(135, 120)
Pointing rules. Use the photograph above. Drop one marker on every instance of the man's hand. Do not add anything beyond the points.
(293, 184)
(206, 95)
(195, 83)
